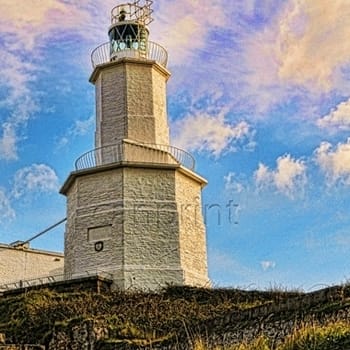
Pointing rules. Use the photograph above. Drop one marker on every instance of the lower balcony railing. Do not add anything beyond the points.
(135, 152)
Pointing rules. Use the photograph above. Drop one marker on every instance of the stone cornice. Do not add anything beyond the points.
(125, 164)
(128, 60)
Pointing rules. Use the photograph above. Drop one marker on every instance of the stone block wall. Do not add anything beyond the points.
(131, 102)
(141, 223)
(160, 108)
(192, 234)
(151, 228)
(133, 213)
(111, 124)
(94, 205)
(124, 215)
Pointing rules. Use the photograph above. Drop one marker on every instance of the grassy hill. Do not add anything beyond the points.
(181, 318)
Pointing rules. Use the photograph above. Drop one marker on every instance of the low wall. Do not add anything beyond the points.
(22, 347)
(97, 284)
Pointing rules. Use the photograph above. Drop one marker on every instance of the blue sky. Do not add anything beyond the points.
(259, 93)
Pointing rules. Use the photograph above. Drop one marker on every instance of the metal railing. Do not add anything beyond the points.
(133, 12)
(106, 53)
(52, 279)
(135, 152)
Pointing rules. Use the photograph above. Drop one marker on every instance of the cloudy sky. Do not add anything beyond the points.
(259, 93)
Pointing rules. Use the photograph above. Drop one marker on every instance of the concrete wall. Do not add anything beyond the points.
(23, 264)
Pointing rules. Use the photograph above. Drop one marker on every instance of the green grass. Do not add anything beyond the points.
(149, 318)
(309, 336)
(332, 336)
(260, 343)
(28, 318)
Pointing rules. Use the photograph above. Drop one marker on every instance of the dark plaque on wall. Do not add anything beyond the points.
(99, 246)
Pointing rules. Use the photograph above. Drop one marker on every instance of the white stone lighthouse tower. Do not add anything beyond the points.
(134, 202)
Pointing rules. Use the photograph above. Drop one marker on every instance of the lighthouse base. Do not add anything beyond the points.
(141, 223)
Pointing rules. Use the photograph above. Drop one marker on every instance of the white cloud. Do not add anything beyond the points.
(8, 141)
(263, 176)
(232, 184)
(32, 12)
(301, 52)
(202, 132)
(289, 177)
(35, 178)
(62, 142)
(17, 74)
(267, 265)
(24, 28)
(334, 161)
(19, 101)
(183, 26)
(313, 42)
(337, 119)
(82, 127)
(289, 174)
(6, 211)
(215, 50)
(32, 20)
(79, 128)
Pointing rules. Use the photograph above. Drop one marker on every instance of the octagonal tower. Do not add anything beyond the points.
(134, 202)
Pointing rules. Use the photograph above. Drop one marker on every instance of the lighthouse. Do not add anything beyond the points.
(134, 201)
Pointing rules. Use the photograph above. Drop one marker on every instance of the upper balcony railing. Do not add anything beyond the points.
(129, 151)
(107, 52)
(133, 12)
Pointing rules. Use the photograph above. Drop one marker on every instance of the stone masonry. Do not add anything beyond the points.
(136, 211)
(131, 102)
(149, 220)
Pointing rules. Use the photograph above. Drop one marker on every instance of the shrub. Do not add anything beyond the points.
(333, 336)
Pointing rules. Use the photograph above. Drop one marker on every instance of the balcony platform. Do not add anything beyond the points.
(105, 53)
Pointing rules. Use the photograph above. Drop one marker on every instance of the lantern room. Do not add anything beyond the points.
(128, 30)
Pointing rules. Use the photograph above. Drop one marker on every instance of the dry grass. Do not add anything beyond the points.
(309, 336)
(150, 318)
(29, 317)
(332, 336)
(260, 343)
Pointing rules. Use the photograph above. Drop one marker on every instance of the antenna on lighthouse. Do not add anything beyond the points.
(144, 13)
